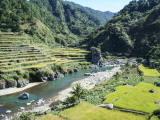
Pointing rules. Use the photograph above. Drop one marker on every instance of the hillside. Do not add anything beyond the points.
(103, 16)
(69, 19)
(132, 31)
(66, 25)
(22, 62)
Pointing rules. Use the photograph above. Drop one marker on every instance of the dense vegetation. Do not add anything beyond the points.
(103, 16)
(132, 31)
(13, 13)
(47, 21)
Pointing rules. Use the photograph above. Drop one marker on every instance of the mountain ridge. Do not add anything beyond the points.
(104, 16)
(130, 32)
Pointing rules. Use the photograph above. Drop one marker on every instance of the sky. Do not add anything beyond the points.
(103, 5)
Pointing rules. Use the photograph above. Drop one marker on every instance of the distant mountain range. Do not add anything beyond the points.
(103, 16)
(133, 31)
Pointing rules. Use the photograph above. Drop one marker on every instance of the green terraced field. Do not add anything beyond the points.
(120, 91)
(149, 72)
(17, 54)
(86, 111)
(140, 99)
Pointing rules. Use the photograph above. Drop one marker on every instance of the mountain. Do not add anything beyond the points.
(63, 23)
(132, 31)
(68, 18)
(103, 16)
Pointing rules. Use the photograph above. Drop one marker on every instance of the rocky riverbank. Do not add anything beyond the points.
(15, 89)
(88, 83)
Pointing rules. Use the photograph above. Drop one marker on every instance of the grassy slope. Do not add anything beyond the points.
(149, 72)
(120, 91)
(140, 99)
(86, 111)
(42, 34)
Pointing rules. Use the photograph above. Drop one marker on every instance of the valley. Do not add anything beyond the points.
(75, 62)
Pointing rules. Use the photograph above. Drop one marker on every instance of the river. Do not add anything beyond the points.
(45, 90)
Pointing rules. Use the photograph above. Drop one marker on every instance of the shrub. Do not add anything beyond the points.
(24, 116)
(26, 75)
(133, 65)
(156, 112)
(54, 103)
(127, 63)
(16, 77)
(142, 78)
(139, 60)
(94, 100)
(72, 99)
(139, 71)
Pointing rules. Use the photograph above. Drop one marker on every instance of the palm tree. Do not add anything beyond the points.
(78, 91)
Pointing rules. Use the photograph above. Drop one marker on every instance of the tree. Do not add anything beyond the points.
(142, 78)
(139, 60)
(78, 91)
(127, 63)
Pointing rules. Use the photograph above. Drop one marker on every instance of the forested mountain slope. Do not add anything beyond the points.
(68, 18)
(22, 17)
(62, 23)
(133, 31)
(103, 16)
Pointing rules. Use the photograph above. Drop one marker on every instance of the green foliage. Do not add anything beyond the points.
(103, 16)
(72, 99)
(66, 17)
(127, 63)
(134, 80)
(139, 60)
(16, 77)
(118, 34)
(134, 65)
(156, 112)
(15, 13)
(142, 78)
(54, 103)
(118, 75)
(94, 100)
(24, 116)
(78, 91)
(58, 68)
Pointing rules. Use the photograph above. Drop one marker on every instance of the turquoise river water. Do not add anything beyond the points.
(45, 90)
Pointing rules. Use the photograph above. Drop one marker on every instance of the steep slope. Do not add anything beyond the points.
(69, 19)
(103, 16)
(42, 27)
(131, 32)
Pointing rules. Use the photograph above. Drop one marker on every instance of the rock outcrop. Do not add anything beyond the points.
(22, 83)
(96, 55)
(152, 91)
(157, 84)
(24, 96)
(2, 84)
(71, 71)
(76, 70)
(11, 83)
(59, 75)
(51, 76)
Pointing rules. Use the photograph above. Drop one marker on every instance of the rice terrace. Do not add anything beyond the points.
(60, 60)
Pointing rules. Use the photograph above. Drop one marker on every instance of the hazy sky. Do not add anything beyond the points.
(103, 5)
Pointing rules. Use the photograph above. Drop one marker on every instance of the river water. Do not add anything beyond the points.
(45, 90)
